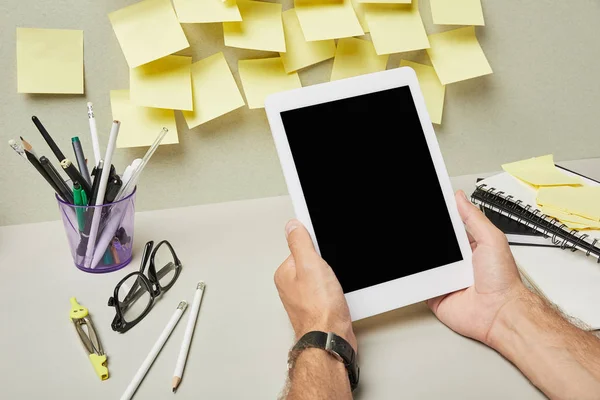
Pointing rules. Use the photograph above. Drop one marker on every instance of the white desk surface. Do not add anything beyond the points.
(242, 336)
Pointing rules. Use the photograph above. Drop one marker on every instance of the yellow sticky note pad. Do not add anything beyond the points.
(215, 91)
(457, 56)
(147, 31)
(261, 27)
(579, 200)
(359, 9)
(300, 53)
(355, 57)
(571, 220)
(164, 83)
(457, 12)
(331, 19)
(432, 88)
(396, 28)
(205, 11)
(140, 125)
(540, 171)
(263, 77)
(387, 1)
(49, 61)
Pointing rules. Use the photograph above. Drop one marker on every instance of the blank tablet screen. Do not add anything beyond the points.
(371, 189)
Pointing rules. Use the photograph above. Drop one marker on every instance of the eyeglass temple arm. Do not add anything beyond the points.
(136, 292)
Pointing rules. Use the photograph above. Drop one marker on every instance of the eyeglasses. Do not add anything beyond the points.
(134, 295)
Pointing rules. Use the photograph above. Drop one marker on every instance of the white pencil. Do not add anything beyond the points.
(187, 337)
(110, 149)
(141, 372)
(94, 133)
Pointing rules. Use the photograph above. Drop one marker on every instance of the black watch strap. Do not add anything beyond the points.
(335, 345)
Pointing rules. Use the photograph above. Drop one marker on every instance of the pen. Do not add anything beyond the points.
(79, 200)
(80, 157)
(75, 176)
(97, 173)
(55, 149)
(36, 163)
(94, 133)
(66, 193)
(114, 185)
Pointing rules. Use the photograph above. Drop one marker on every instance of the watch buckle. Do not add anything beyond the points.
(329, 343)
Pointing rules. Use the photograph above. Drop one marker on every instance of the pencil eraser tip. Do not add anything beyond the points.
(12, 142)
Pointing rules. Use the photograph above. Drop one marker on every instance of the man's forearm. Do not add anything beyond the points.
(317, 375)
(560, 359)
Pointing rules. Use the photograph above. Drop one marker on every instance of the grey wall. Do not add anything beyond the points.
(543, 97)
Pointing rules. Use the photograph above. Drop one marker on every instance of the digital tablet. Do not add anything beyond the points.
(366, 176)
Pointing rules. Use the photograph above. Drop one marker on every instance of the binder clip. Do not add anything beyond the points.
(80, 316)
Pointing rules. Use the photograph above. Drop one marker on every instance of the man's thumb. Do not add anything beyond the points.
(299, 241)
(476, 223)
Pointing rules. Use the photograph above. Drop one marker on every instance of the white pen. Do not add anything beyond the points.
(141, 372)
(94, 133)
(110, 148)
(187, 337)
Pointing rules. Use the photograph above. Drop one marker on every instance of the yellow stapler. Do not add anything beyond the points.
(80, 316)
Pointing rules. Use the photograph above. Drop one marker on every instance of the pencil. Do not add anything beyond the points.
(27, 146)
(94, 133)
(18, 148)
(53, 146)
(187, 337)
(36, 164)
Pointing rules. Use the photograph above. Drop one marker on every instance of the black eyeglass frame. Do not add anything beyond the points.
(152, 285)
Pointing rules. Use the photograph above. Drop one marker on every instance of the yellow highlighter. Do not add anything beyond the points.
(80, 316)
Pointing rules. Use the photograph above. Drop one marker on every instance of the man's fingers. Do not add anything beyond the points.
(478, 226)
(300, 243)
(285, 273)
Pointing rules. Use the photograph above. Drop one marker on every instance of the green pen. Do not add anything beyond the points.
(79, 199)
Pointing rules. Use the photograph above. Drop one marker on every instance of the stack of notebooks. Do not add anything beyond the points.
(568, 275)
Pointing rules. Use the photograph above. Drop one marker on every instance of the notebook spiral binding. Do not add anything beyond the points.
(525, 214)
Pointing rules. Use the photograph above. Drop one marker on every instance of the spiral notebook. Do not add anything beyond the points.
(571, 281)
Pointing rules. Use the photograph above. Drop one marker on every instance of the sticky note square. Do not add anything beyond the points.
(540, 171)
(396, 28)
(457, 56)
(164, 83)
(300, 53)
(263, 77)
(359, 9)
(331, 19)
(457, 12)
(49, 61)
(432, 88)
(215, 91)
(205, 11)
(140, 125)
(147, 31)
(355, 57)
(388, 1)
(261, 27)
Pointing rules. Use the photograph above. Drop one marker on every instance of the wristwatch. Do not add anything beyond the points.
(339, 348)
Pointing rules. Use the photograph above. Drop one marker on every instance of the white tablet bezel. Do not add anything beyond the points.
(402, 291)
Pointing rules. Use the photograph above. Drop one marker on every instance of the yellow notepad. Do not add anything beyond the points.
(432, 88)
(359, 9)
(49, 61)
(540, 171)
(387, 1)
(140, 125)
(456, 55)
(355, 57)
(579, 200)
(327, 20)
(147, 31)
(300, 53)
(457, 12)
(396, 28)
(571, 220)
(215, 91)
(261, 27)
(164, 83)
(205, 11)
(263, 77)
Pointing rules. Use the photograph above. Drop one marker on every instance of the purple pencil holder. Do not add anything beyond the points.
(112, 249)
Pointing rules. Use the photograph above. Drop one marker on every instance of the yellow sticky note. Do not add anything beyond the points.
(457, 12)
(387, 1)
(540, 171)
(457, 56)
(359, 9)
(300, 53)
(261, 27)
(140, 125)
(215, 91)
(49, 61)
(147, 31)
(579, 200)
(396, 28)
(164, 83)
(571, 220)
(263, 77)
(432, 88)
(331, 19)
(355, 57)
(205, 11)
